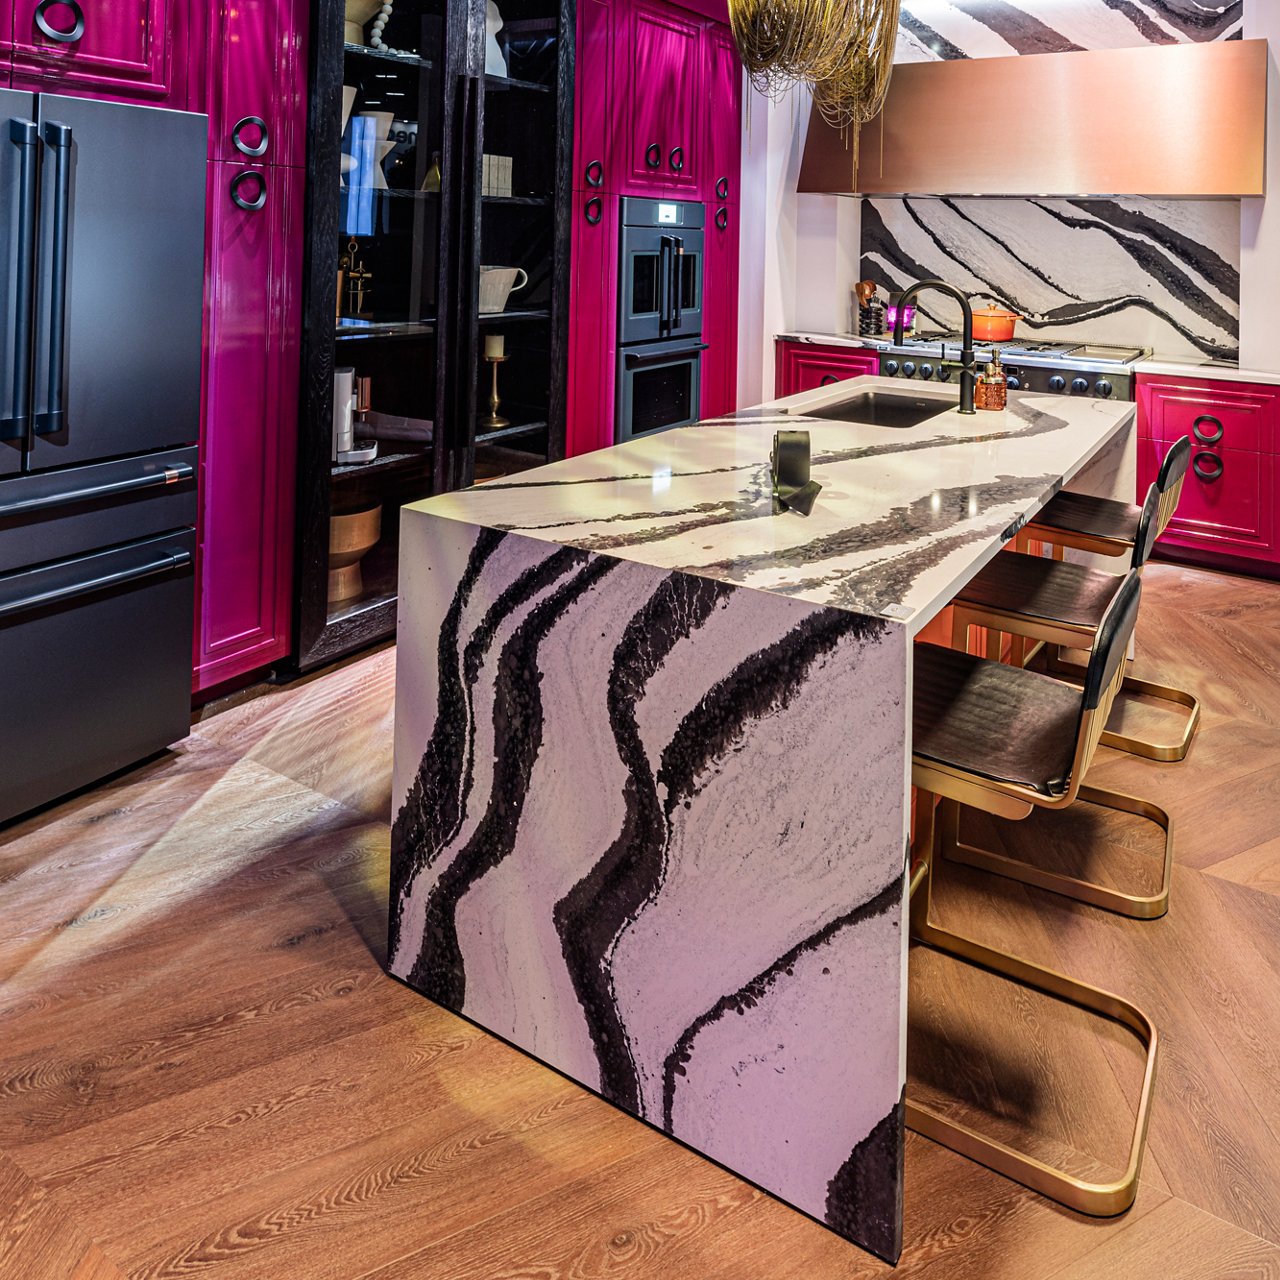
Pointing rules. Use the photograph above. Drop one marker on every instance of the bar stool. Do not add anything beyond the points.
(1110, 528)
(1064, 604)
(1007, 740)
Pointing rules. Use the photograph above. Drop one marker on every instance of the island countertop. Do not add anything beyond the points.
(651, 805)
(905, 516)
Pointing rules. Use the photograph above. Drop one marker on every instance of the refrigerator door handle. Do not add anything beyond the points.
(15, 424)
(58, 138)
(157, 563)
(173, 474)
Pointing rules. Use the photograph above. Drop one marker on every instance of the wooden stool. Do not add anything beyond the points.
(1006, 740)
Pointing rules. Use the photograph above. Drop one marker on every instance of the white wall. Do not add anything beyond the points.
(799, 253)
(1260, 218)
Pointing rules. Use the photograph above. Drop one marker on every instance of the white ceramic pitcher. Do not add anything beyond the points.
(497, 284)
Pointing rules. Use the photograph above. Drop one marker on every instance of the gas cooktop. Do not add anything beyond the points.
(1059, 368)
(947, 346)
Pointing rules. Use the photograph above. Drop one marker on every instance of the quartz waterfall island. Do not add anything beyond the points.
(652, 765)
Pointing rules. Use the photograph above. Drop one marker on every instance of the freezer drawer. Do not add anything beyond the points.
(53, 515)
(95, 666)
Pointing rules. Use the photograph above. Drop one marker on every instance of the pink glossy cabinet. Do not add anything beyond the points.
(592, 300)
(660, 64)
(1229, 498)
(724, 118)
(720, 313)
(594, 96)
(249, 431)
(256, 87)
(804, 366)
(109, 48)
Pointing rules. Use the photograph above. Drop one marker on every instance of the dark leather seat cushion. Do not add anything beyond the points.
(1081, 513)
(994, 721)
(1054, 590)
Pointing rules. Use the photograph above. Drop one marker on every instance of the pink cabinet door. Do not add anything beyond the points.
(257, 76)
(593, 290)
(660, 122)
(594, 96)
(117, 47)
(1227, 504)
(720, 313)
(804, 366)
(724, 117)
(248, 436)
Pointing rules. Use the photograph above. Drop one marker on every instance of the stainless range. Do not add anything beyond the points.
(1058, 368)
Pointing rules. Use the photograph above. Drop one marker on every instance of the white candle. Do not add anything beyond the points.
(493, 346)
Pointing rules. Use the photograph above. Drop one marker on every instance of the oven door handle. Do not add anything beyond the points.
(665, 247)
(634, 359)
(677, 279)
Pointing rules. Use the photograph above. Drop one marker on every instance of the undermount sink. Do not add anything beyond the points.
(882, 409)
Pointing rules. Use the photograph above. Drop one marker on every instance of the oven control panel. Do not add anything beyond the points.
(1059, 380)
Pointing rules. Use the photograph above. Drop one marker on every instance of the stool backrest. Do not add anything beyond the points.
(1106, 671)
(1148, 528)
(1173, 471)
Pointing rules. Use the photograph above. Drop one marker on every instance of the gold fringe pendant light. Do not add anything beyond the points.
(843, 49)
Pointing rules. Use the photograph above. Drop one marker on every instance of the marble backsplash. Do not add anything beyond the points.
(935, 29)
(1163, 274)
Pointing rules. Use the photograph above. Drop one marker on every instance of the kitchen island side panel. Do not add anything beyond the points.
(650, 827)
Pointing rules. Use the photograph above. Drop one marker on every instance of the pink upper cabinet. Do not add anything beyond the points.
(257, 100)
(117, 47)
(724, 117)
(661, 121)
(593, 97)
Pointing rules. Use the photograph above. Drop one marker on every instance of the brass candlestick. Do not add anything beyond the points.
(495, 419)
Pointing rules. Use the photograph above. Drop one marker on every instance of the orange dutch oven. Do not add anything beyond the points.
(994, 324)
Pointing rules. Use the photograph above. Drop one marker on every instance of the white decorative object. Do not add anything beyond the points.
(497, 284)
(382, 122)
(494, 63)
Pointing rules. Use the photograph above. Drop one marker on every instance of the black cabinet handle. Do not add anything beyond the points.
(158, 563)
(255, 203)
(1210, 475)
(58, 139)
(594, 174)
(653, 155)
(593, 215)
(50, 32)
(24, 135)
(172, 474)
(1200, 435)
(241, 145)
(722, 218)
(827, 379)
(722, 188)
(676, 158)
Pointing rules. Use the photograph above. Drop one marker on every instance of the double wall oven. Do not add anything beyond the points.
(660, 296)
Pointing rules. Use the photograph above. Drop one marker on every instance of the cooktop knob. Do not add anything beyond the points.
(1103, 387)
(926, 371)
(909, 368)
(1014, 384)
(944, 373)
(1057, 383)
(890, 367)
(1080, 385)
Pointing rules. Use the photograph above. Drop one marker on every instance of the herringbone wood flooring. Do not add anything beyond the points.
(203, 1070)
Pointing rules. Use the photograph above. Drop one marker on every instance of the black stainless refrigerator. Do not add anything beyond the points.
(101, 282)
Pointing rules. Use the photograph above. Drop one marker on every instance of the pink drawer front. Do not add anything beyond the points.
(1221, 415)
(1227, 504)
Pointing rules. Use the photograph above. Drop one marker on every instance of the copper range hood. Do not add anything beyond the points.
(1162, 120)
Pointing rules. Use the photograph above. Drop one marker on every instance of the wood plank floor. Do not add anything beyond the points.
(204, 1072)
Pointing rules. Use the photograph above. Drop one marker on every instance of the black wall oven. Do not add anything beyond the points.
(659, 316)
